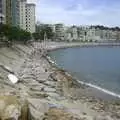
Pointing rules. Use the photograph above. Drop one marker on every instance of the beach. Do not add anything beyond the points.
(51, 92)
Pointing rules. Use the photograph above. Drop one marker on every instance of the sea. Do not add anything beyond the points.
(97, 67)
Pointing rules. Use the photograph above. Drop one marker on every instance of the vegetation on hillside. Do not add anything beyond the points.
(101, 27)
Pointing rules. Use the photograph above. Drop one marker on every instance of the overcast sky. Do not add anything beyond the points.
(78, 12)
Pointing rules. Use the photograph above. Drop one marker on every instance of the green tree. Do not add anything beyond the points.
(14, 34)
(36, 36)
(41, 30)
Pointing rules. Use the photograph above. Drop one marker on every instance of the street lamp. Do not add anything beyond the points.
(45, 39)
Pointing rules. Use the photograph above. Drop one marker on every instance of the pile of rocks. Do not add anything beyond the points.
(12, 109)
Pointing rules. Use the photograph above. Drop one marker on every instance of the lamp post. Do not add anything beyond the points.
(45, 39)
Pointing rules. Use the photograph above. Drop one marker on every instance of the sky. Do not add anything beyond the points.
(78, 12)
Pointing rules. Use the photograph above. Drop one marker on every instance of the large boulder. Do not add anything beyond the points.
(37, 109)
(61, 114)
(10, 108)
(12, 112)
(104, 117)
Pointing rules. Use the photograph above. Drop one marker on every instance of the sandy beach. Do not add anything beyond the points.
(51, 93)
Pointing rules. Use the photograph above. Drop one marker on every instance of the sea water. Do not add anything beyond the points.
(98, 67)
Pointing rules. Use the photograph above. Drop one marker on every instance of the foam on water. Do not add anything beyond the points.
(97, 87)
(101, 89)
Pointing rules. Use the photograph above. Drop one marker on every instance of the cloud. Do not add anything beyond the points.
(106, 12)
(32, 1)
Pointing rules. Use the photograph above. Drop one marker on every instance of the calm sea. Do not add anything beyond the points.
(98, 67)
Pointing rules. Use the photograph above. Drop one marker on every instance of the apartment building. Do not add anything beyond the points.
(2, 11)
(59, 30)
(15, 12)
(12, 12)
(8, 12)
(30, 17)
(22, 14)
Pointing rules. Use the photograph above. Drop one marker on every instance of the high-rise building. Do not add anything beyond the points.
(30, 17)
(2, 11)
(15, 12)
(27, 16)
(22, 13)
(8, 12)
(12, 12)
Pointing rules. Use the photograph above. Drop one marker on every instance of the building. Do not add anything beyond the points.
(8, 12)
(82, 33)
(52, 26)
(15, 12)
(22, 13)
(2, 11)
(59, 31)
(30, 17)
(27, 16)
(68, 36)
(74, 32)
(12, 12)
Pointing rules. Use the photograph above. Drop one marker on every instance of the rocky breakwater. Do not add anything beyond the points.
(82, 102)
(45, 92)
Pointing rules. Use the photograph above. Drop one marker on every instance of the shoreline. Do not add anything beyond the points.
(109, 93)
(63, 45)
(80, 93)
(101, 91)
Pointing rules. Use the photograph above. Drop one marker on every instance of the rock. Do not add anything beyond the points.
(103, 118)
(12, 112)
(9, 108)
(37, 88)
(37, 108)
(37, 94)
(60, 114)
(53, 95)
(13, 78)
(25, 111)
(50, 83)
(48, 89)
(2, 106)
(35, 114)
(6, 68)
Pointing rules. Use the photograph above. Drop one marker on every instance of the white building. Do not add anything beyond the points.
(27, 16)
(82, 33)
(30, 17)
(60, 31)
(74, 33)
(68, 36)
(23, 14)
(91, 34)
